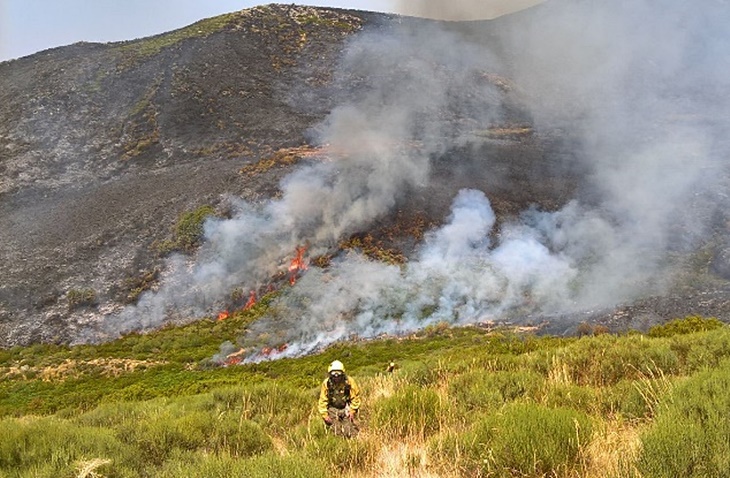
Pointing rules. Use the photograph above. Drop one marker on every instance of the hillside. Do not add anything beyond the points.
(460, 402)
(527, 216)
(352, 133)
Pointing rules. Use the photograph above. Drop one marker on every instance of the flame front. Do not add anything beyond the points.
(235, 358)
(297, 264)
(251, 300)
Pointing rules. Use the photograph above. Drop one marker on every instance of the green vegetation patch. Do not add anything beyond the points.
(80, 297)
(690, 435)
(266, 466)
(188, 231)
(460, 401)
(413, 411)
(686, 325)
(138, 50)
(524, 439)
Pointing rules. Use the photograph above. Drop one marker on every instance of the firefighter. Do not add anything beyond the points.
(339, 401)
(391, 367)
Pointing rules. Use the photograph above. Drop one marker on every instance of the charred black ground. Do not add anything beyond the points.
(103, 147)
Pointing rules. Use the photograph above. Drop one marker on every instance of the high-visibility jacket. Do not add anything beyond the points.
(338, 395)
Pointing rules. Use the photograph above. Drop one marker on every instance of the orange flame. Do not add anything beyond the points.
(268, 351)
(223, 315)
(251, 300)
(297, 264)
(235, 358)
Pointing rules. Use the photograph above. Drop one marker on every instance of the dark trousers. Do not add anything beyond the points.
(341, 423)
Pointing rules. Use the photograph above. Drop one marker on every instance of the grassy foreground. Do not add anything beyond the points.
(462, 402)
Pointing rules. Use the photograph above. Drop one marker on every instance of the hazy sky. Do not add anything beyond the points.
(28, 26)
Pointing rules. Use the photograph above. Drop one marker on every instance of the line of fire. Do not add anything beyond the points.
(296, 267)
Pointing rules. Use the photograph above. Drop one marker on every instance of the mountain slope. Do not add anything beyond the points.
(103, 148)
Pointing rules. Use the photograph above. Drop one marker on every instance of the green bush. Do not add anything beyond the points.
(271, 404)
(238, 438)
(80, 297)
(165, 430)
(686, 325)
(522, 440)
(625, 398)
(265, 466)
(702, 350)
(188, 231)
(572, 396)
(48, 447)
(114, 414)
(419, 373)
(690, 436)
(411, 411)
(606, 360)
(342, 455)
(483, 389)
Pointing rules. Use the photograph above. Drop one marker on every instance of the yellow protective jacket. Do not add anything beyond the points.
(338, 396)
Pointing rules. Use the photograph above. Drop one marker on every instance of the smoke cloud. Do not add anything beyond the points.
(461, 9)
(635, 85)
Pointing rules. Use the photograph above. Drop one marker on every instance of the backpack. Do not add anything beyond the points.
(338, 397)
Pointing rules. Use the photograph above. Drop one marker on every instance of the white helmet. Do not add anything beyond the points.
(336, 365)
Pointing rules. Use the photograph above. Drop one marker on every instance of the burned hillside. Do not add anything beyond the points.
(351, 134)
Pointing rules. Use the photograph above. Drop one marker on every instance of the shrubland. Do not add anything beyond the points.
(471, 401)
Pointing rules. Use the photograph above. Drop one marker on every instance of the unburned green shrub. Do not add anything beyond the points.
(265, 466)
(80, 297)
(161, 433)
(482, 389)
(238, 437)
(48, 447)
(413, 410)
(605, 360)
(112, 414)
(571, 396)
(189, 228)
(702, 350)
(188, 231)
(271, 404)
(689, 437)
(419, 373)
(343, 455)
(522, 440)
(686, 325)
(626, 399)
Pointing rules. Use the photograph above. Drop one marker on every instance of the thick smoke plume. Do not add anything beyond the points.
(634, 84)
(384, 138)
(461, 9)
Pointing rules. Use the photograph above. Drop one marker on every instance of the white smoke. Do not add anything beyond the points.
(384, 139)
(461, 9)
(623, 80)
(458, 277)
(637, 86)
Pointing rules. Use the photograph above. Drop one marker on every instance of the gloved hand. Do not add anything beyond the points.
(327, 420)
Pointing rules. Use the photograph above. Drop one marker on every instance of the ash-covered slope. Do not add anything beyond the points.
(344, 128)
(102, 147)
